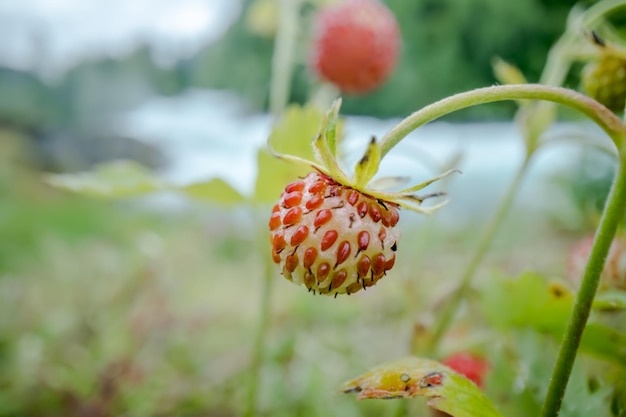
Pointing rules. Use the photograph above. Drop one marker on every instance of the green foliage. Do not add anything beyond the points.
(531, 300)
(116, 179)
(445, 389)
(521, 372)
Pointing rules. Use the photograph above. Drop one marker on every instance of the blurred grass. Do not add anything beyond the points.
(115, 309)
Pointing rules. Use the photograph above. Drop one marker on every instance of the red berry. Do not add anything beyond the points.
(336, 247)
(471, 366)
(356, 45)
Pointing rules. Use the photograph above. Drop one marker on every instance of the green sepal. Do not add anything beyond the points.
(330, 131)
(386, 183)
(411, 377)
(428, 182)
(325, 144)
(368, 165)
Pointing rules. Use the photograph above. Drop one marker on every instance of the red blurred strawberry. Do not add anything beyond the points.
(471, 366)
(356, 45)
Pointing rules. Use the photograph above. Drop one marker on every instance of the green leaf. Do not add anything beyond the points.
(295, 131)
(531, 300)
(216, 190)
(527, 300)
(411, 377)
(291, 138)
(368, 165)
(531, 361)
(507, 73)
(110, 180)
(273, 175)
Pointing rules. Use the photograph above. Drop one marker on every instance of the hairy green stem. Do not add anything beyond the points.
(594, 110)
(445, 317)
(611, 217)
(283, 57)
(258, 349)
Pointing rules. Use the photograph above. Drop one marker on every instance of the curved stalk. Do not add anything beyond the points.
(445, 317)
(610, 123)
(611, 217)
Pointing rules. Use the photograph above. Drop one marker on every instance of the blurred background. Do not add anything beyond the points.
(149, 306)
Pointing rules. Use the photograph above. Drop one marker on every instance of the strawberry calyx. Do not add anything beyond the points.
(325, 148)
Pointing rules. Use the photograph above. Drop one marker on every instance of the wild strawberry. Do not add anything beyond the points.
(614, 272)
(605, 79)
(332, 238)
(356, 45)
(471, 366)
(334, 233)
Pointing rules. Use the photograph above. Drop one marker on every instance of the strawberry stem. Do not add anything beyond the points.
(594, 110)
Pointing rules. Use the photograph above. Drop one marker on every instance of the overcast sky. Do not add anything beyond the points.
(50, 36)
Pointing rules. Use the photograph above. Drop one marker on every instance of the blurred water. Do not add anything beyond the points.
(212, 133)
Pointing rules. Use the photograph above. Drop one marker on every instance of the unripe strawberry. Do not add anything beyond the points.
(605, 81)
(356, 45)
(332, 238)
(614, 272)
(334, 232)
(471, 366)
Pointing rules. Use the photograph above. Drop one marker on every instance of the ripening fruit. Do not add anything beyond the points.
(471, 366)
(332, 238)
(605, 81)
(614, 272)
(356, 45)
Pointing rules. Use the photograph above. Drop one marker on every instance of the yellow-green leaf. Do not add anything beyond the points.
(507, 73)
(295, 130)
(273, 175)
(292, 136)
(110, 180)
(215, 190)
(411, 377)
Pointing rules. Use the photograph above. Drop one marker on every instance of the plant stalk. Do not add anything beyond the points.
(258, 349)
(283, 58)
(611, 217)
(445, 317)
(280, 86)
